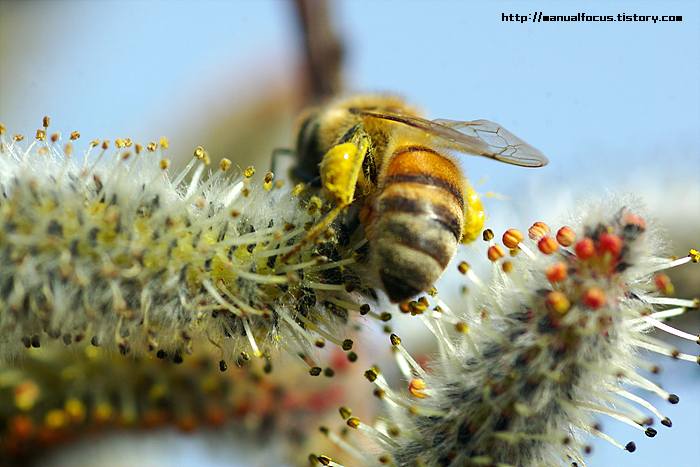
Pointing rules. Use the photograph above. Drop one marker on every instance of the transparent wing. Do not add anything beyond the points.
(479, 138)
(502, 144)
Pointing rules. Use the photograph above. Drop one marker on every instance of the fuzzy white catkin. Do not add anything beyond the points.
(116, 252)
(551, 342)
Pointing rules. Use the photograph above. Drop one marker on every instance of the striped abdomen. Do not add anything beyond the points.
(417, 221)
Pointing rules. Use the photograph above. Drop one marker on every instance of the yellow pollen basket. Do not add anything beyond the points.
(474, 217)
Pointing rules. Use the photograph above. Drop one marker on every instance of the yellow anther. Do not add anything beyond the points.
(463, 267)
(417, 387)
(225, 164)
(345, 413)
(694, 256)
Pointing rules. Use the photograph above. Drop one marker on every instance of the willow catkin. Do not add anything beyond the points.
(116, 251)
(551, 341)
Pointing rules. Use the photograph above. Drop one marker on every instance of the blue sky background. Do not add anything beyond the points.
(614, 105)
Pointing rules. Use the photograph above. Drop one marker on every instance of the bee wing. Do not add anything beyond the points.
(480, 137)
(501, 144)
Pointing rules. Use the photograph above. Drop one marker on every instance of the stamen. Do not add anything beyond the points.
(194, 184)
(610, 440)
(319, 331)
(616, 414)
(524, 248)
(276, 251)
(396, 342)
(669, 301)
(672, 264)
(668, 351)
(437, 330)
(216, 296)
(404, 366)
(251, 338)
(322, 286)
(347, 305)
(644, 383)
(311, 339)
(670, 313)
(263, 278)
(346, 446)
(334, 264)
(463, 329)
(372, 433)
(359, 244)
(643, 402)
(671, 330)
(296, 267)
(259, 236)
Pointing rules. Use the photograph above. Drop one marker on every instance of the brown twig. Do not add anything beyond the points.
(324, 49)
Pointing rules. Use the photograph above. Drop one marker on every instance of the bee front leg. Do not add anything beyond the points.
(340, 170)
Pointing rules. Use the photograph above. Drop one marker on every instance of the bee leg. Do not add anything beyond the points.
(301, 175)
(369, 170)
(473, 217)
(341, 167)
(340, 170)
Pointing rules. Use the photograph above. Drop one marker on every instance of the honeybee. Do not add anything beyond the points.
(415, 202)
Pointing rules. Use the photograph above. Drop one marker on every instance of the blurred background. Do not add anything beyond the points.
(615, 106)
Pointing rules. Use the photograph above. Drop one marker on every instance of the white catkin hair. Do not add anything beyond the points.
(551, 342)
(114, 251)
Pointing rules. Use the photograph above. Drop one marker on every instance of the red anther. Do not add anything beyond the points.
(538, 230)
(558, 301)
(547, 245)
(512, 238)
(632, 219)
(557, 272)
(593, 297)
(610, 243)
(584, 248)
(566, 236)
(496, 252)
(663, 284)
